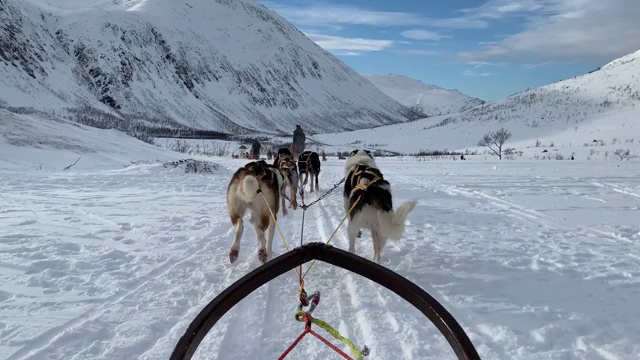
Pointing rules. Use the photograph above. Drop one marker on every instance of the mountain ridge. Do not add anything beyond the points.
(431, 100)
(599, 107)
(165, 63)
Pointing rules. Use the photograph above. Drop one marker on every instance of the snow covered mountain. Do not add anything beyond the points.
(585, 101)
(431, 100)
(599, 108)
(226, 65)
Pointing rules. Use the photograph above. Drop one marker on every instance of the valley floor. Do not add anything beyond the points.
(537, 260)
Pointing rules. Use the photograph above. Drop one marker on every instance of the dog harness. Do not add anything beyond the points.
(258, 170)
(286, 162)
(373, 175)
(305, 156)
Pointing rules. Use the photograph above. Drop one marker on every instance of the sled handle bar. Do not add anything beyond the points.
(412, 293)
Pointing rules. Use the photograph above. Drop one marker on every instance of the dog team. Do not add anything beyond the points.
(260, 188)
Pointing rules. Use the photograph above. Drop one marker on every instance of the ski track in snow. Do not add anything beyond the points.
(116, 264)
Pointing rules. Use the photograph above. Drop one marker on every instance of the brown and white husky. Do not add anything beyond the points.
(254, 187)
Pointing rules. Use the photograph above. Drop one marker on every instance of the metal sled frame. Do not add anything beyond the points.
(430, 307)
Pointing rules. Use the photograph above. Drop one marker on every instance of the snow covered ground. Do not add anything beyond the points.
(106, 260)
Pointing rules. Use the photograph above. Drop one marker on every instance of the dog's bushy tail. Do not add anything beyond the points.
(392, 223)
(250, 186)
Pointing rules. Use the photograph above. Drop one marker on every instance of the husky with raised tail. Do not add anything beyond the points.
(369, 194)
(256, 188)
(309, 166)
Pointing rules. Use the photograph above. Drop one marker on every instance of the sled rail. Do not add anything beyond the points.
(412, 293)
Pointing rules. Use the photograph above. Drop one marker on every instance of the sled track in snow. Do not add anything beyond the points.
(365, 315)
(527, 215)
(617, 188)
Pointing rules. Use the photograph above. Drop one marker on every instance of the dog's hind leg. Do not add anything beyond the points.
(303, 182)
(378, 244)
(312, 175)
(284, 205)
(238, 223)
(352, 231)
(294, 192)
(260, 225)
(270, 231)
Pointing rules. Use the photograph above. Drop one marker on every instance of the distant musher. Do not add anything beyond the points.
(299, 139)
(255, 149)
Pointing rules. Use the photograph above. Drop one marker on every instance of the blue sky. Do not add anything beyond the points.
(484, 48)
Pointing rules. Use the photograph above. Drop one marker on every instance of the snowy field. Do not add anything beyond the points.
(536, 259)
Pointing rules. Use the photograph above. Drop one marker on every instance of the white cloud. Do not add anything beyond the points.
(346, 53)
(349, 46)
(495, 9)
(332, 14)
(418, 52)
(592, 31)
(479, 64)
(456, 23)
(417, 34)
(473, 73)
(537, 65)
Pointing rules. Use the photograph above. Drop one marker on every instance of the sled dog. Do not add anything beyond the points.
(309, 166)
(374, 209)
(285, 162)
(283, 183)
(243, 193)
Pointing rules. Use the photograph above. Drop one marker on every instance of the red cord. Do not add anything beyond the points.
(286, 352)
(344, 355)
(307, 329)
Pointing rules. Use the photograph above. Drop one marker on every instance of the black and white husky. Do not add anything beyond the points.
(374, 209)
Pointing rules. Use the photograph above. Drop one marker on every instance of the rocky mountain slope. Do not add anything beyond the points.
(226, 65)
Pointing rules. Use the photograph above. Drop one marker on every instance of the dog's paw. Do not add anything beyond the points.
(233, 255)
(262, 255)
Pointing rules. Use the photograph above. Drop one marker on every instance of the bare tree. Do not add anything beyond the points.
(622, 153)
(495, 140)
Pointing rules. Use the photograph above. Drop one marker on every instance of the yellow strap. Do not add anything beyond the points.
(278, 226)
(374, 173)
(286, 162)
(357, 175)
(363, 187)
(328, 328)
